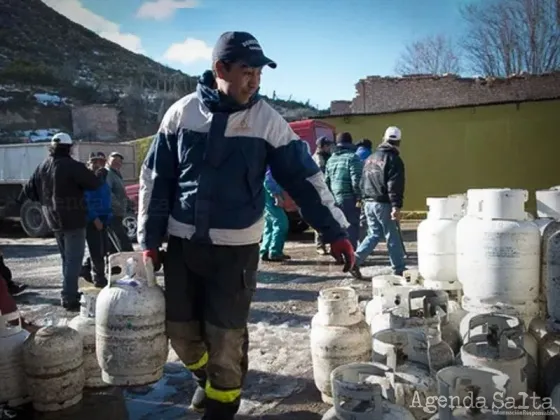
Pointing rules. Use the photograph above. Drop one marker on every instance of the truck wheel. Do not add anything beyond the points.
(32, 220)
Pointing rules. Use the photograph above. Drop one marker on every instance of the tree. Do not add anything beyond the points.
(506, 37)
(431, 55)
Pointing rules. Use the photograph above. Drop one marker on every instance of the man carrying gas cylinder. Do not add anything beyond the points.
(202, 183)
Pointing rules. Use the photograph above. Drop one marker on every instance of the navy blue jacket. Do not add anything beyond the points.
(203, 177)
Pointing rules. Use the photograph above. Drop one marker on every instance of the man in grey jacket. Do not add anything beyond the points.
(119, 199)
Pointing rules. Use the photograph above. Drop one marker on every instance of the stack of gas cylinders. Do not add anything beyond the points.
(117, 339)
(475, 333)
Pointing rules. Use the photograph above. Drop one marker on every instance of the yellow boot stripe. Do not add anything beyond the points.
(222, 396)
(200, 364)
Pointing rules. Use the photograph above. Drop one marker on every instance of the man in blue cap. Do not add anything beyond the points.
(202, 183)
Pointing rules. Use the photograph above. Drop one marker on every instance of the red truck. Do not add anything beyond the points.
(307, 130)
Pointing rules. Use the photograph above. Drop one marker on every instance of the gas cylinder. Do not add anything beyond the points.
(13, 391)
(437, 243)
(339, 335)
(498, 257)
(85, 325)
(421, 308)
(405, 352)
(469, 393)
(54, 367)
(130, 324)
(548, 212)
(384, 301)
(498, 349)
(549, 355)
(355, 398)
(523, 339)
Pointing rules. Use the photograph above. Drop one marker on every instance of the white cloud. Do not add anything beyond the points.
(75, 11)
(189, 51)
(163, 9)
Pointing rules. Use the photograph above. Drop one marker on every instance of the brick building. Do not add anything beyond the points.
(376, 94)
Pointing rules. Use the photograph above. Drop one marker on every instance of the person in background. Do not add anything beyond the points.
(321, 156)
(202, 184)
(120, 202)
(383, 182)
(99, 216)
(59, 184)
(13, 287)
(342, 175)
(276, 223)
(363, 151)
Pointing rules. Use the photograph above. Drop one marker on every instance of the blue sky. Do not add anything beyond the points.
(322, 47)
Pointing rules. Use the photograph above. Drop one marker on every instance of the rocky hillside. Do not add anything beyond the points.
(50, 65)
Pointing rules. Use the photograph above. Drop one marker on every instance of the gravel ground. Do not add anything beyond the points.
(280, 382)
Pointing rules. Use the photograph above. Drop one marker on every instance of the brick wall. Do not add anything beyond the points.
(376, 94)
(95, 123)
(341, 107)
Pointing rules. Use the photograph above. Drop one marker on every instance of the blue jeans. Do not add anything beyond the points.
(381, 225)
(352, 213)
(71, 244)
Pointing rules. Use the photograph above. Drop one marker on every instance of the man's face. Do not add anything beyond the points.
(115, 162)
(96, 164)
(238, 80)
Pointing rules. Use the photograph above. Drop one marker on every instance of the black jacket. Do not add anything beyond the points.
(59, 184)
(383, 176)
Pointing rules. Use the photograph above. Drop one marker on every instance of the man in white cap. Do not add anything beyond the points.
(382, 186)
(59, 183)
(202, 183)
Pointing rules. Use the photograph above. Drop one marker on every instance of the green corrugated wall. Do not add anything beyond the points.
(449, 151)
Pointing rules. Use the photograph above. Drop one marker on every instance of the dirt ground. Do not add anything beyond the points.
(280, 381)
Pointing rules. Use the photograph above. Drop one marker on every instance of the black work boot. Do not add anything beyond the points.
(216, 410)
(199, 396)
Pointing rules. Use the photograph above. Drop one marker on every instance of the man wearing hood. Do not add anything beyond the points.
(382, 186)
(342, 175)
(364, 149)
(202, 183)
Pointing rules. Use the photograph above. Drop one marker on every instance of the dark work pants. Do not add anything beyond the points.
(208, 291)
(117, 227)
(97, 246)
(352, 213)
(71, 244)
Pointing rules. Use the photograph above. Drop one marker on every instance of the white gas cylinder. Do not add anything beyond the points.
(355, 398)
(405, 352)
(131, 343)
(548, 221)
(85, 325)
(54, 367)
(497, 349)
(13, 391)
(498, 257)
(437, 243)
(523, 337)
(470, 393)
(339, 335)
(421, 309)
(384, 301)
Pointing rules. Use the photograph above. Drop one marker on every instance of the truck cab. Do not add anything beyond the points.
(309, 131)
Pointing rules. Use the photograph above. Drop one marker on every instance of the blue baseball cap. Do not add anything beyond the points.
(243, 47)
